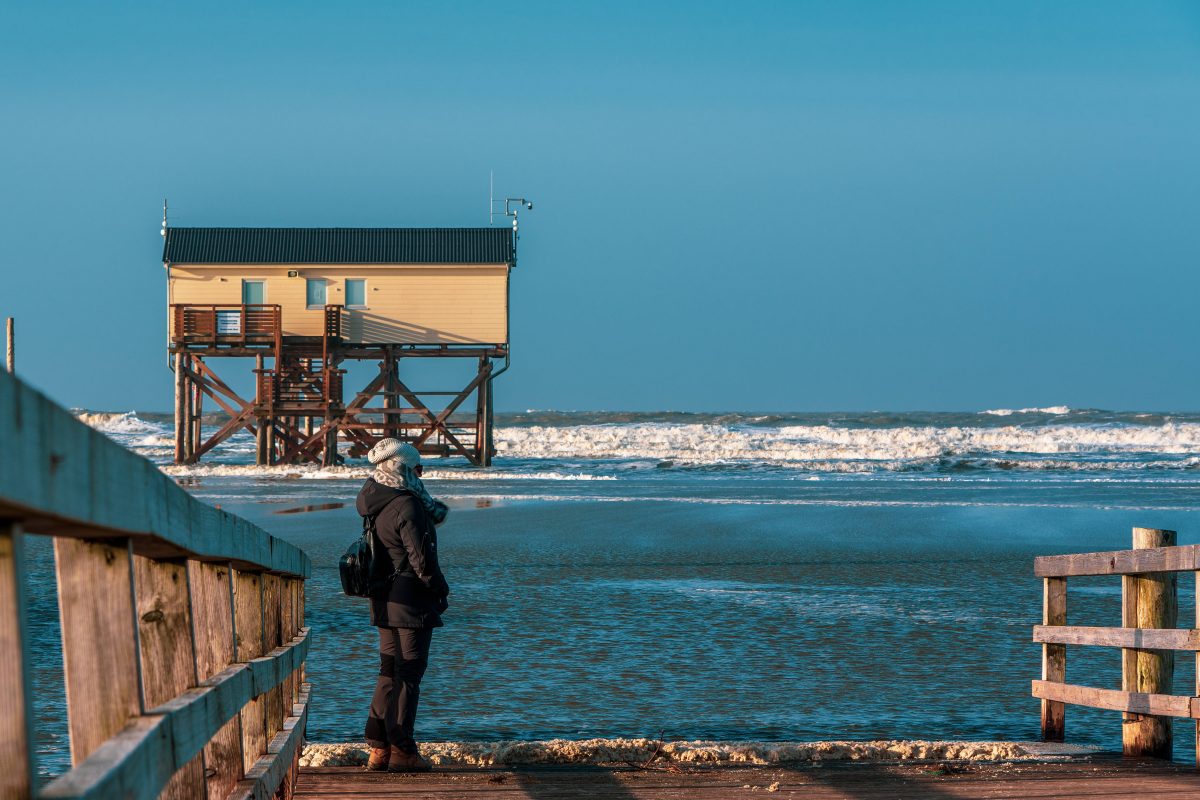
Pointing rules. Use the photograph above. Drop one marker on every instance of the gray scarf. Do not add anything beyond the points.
(397, 475)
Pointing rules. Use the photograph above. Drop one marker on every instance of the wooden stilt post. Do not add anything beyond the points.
(260, 450)
(489, 423)
(189, 429)
(483, 422)
(329, 453)
(1148, 601)
(1054, 658)
(197, 413)
(390, 398)
(180, 408)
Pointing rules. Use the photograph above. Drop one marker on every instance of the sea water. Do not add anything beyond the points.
(729, 576)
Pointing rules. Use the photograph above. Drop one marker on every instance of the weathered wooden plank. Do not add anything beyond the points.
(165, 652)
(272, 637)
(268, 772)
(212, 625)
(1054, 658)
(139, 761)
(16, 754)
(1118, 562)
(65, 479)
(1146, 638)
(95, 604)
(1134, 702)
(248, 626)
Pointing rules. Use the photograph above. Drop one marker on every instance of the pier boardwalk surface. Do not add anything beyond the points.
(1108, 777)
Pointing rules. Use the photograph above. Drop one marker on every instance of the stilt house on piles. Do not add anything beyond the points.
(303, 302)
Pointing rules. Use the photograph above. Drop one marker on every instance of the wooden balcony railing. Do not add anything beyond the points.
(1148, 637)
(182, 625)
(227, 323)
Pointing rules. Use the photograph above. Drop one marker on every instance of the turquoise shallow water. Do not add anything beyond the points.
(731, 600)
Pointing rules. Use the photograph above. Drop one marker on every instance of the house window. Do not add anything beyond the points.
(315, 292)
(254, 293)
(356, 293)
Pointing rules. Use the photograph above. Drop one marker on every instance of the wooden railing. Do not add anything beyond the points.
(227, 323)
(1148, 638)
(182, 625)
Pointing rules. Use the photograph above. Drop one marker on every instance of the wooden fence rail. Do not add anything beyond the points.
(1147, 637)
(182, 625)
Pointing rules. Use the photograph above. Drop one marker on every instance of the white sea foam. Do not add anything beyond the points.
(122, 423)
(315, 472)
(797, 444)
(1008, 412)
(581, 451)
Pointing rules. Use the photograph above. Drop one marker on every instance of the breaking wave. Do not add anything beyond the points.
(801, 445)
(1008, 412)
(589, 446)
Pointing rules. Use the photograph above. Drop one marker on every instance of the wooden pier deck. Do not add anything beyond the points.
(1111, 778)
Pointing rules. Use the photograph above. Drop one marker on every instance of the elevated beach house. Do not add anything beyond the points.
(303, 301)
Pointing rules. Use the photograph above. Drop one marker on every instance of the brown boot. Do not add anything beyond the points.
(378, 760)
(404, 761)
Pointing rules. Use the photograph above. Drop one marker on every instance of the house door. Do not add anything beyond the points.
(254, 293)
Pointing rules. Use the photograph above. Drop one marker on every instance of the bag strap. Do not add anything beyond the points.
(370, 532)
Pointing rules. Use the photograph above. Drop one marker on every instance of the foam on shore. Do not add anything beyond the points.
(699, 753)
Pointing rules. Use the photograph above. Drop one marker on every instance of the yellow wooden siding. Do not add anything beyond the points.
(423, 305)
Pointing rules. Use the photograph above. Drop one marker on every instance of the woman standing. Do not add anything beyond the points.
(409, 603)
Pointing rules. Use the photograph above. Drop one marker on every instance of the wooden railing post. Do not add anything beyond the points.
(165, 651)
(272, 638)
(1148, 600)
(100, 661)
(248, 624)
(211, 589)
(1054, 658)
(16, 753)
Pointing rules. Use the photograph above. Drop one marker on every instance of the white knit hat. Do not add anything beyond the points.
(394, 448)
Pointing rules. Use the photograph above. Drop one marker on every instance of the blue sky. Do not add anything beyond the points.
(753, 206)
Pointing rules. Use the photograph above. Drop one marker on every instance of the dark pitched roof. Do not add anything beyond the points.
(338, 246)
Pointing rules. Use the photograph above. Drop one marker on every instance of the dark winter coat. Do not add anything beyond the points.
(416, 596)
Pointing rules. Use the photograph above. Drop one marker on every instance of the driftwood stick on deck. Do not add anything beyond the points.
(1148, 601)
(1054, 658)
(16, 755)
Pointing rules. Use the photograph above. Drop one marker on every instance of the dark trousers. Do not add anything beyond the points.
(403, 656)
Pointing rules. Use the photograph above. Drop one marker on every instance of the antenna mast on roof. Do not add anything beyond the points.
(164, 223)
